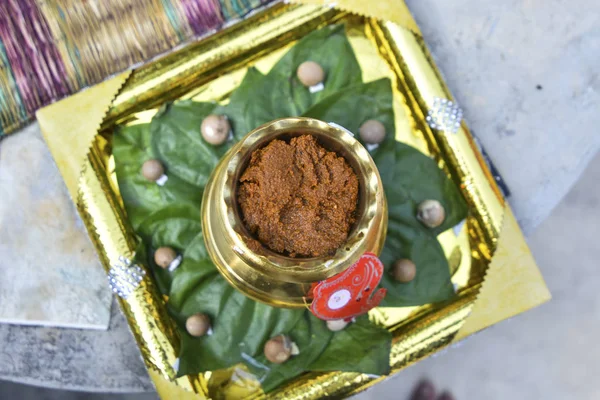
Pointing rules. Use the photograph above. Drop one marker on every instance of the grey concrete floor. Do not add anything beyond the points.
(548, 353)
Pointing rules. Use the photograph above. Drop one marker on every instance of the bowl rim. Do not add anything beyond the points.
(302, 269)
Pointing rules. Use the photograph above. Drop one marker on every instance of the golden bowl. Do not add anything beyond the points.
(274, 278)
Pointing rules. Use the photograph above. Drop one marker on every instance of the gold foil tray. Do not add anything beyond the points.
(79, 133)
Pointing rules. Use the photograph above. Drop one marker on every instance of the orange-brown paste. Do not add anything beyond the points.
(298, 198)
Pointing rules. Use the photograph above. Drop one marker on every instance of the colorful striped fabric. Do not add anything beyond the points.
(52, 48)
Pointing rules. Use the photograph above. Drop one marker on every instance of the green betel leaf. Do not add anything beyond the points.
(131, 148)
(178, 142)
(410, 177)
(310, 335)
(241, 326)
(195, 267)
(329, 47)
(175, 226)
(236, 109)
(361, 346)
(280, 94)
(352, 106)
(432, 282)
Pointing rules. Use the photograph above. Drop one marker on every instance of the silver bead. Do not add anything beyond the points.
(124, 277)
(444, 115)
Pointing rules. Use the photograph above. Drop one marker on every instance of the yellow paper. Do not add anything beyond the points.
(70, 126)
(512, 285)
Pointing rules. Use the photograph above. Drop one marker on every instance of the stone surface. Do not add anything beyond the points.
(49, 270)
(548, 353)
(11, 390)
(88, 360)
(526, 75)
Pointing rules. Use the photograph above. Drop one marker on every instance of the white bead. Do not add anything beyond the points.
(336, 325)
(215, 129)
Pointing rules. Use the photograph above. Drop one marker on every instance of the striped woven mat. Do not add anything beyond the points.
(52, 48)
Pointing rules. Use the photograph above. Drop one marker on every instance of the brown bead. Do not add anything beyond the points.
(152, 170)
(310, 73)
(164, 256)
(404, 270)
(372, 132)
(431, 213)
(198, 324)
(215, 129)
(278, 349)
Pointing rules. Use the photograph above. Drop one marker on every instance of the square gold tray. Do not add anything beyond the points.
(488, 256)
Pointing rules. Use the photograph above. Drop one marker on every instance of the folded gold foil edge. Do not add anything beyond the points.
(72, 140)
(68, 135)
(236, 43)
(113, 242)
(513, 283)
(393, 11)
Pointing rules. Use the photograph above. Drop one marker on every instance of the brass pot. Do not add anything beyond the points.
(267, 276)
